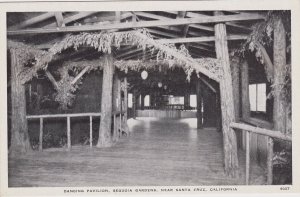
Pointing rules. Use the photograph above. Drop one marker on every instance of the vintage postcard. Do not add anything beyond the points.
(150, 97)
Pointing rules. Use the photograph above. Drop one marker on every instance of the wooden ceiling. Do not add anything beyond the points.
(195, 29)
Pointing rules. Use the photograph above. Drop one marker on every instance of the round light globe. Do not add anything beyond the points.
(144, 75)
(159, 84)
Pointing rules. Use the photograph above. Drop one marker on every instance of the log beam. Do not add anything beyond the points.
(141, 24)
(59, 19)
(106, 103)
(227, 102)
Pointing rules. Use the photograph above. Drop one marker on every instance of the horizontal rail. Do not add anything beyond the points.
(62, 115)
(261, 131)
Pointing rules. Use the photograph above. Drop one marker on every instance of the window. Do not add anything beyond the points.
(176, 100)
(258, 97)
(147, 101)
(129, 100)
(193, 100)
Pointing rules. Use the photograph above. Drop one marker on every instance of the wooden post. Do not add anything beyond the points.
(19, 130)
(134, 104)
(125, 99)
(39, 90)
(91, 131)
(227, 102)
(106, 103)
(270, 161)
(116, 104)
(199, 104)
(245, 96)
(279, 109)
(247, 156)
(235, 73)
(41, 135)
(218, 112)
(245, 90)
(120, 125)
(187, 99)
(142, 101)
(69, 132)
(280, 103)
(114, 127)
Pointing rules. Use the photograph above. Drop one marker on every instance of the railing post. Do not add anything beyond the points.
(270, 161)
(247, 156)
(120, 124)
(41, 135)
(69, 132)
(114, 125)
(91, 131)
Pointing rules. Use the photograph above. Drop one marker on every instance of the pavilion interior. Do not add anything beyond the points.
(172, 131)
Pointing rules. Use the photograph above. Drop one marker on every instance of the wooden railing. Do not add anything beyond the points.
(261, 131)
(69, 116)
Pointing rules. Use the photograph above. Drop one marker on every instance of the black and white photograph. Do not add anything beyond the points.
(145, 98)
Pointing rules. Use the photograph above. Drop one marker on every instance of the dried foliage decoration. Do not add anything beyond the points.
(167, 55)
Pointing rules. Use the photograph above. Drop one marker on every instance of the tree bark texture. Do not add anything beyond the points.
(134, 95)
(116, 99)
(235, 73)
(227, 102)
(20, 142)
(245, 90)
(280, 105)
(199, 104)
(187, 99)
(106, 104)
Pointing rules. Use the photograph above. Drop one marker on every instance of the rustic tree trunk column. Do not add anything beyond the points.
(142, 101)
(19, 129)
(187, 99)
(125, 126)
(199, 104)
(116, 104)
(279, 48)
(125, 99)
(235, 72)
(227, 102)
(218, 112)
(280, 103)
(245, 95)
(134, 104)
(106, 104)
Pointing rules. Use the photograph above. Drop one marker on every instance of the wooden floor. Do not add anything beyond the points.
(165, 152)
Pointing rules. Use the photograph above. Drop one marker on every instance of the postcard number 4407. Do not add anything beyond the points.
(285, 188)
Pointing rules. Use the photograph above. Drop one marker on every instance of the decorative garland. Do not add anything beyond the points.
(168, 55)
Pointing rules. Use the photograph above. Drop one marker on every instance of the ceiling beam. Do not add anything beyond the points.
(72, 18)
(129, 52)
(202, 39)
(32, 21)
(202, 48)
(59, 19)
(179, 15)
(141, 24)
(192, 14)
(174, 40)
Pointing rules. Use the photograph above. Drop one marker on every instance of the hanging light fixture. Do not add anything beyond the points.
(165, 87)
(144, 75)
(159, 84)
